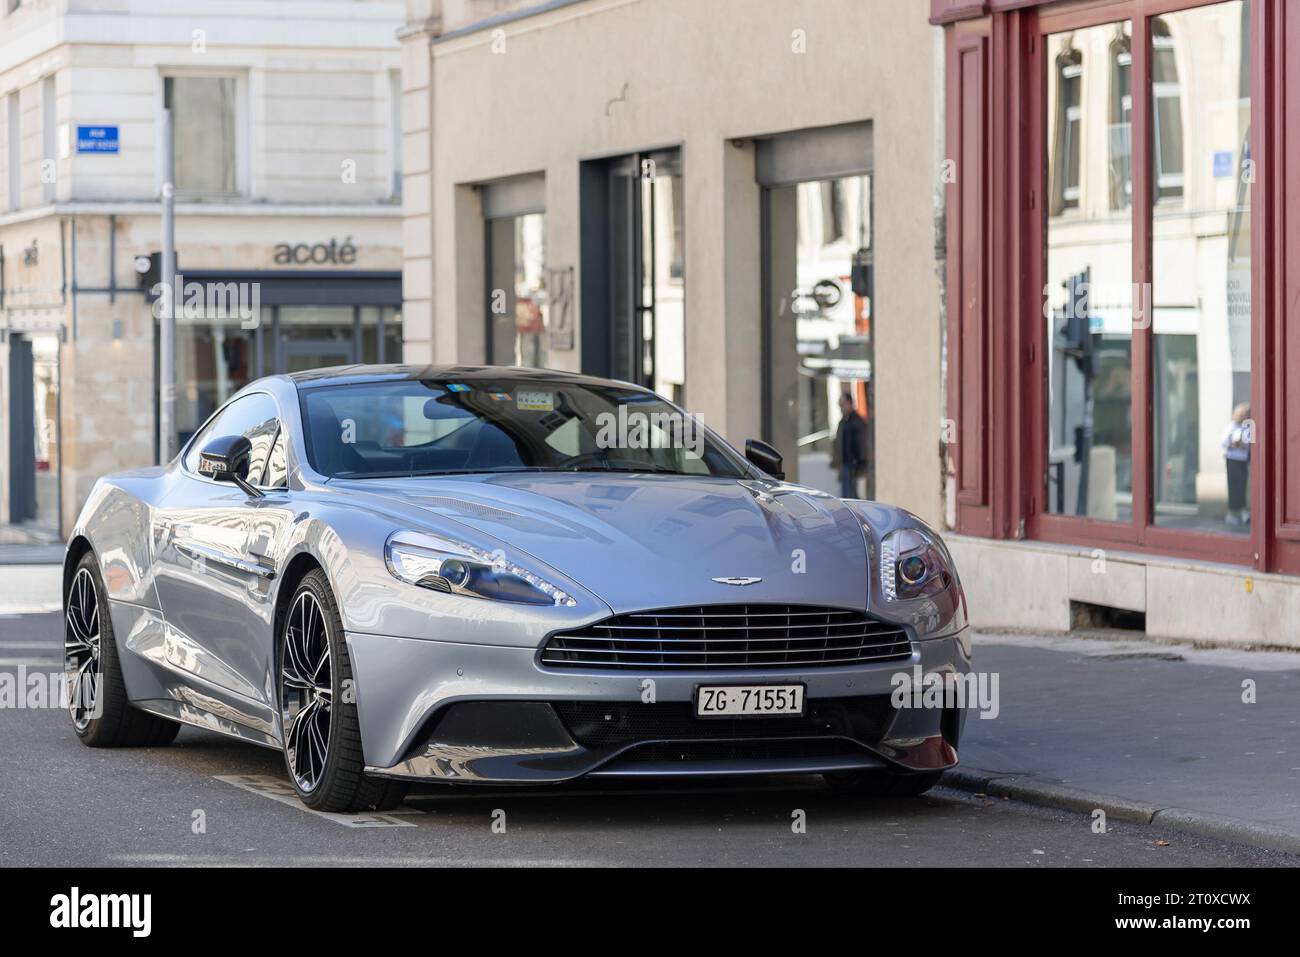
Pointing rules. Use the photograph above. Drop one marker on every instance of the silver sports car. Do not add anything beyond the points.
(507, 576)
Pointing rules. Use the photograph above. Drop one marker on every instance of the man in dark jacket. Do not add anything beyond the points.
(850, 452)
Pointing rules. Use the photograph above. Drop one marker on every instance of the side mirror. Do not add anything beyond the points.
(765, 457)
(226, 460)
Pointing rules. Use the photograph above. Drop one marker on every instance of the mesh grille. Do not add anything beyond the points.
(715, 637)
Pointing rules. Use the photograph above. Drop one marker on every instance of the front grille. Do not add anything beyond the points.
(595, 724)
(714, 637)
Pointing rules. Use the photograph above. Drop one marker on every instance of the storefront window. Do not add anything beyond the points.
(381, 334)
(663, 287)
(517, 297)
(216, 357)
(315, 337)
(1203, 434)
(1193, 320)
(819, 242)
(31, 398)
(1089, 289)
(633, 273)
(214, 360)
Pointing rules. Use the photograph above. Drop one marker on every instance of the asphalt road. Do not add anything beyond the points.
(208, 800)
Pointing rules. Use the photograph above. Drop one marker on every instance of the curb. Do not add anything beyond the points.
(1031, 790)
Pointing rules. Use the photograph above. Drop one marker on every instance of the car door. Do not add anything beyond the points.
(214, 589)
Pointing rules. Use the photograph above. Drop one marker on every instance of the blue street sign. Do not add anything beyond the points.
(97, 139)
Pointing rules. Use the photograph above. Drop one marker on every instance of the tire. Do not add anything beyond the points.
(322, 733)
(102, 716)
(883, 783)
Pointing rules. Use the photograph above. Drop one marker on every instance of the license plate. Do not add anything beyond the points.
(748, 701)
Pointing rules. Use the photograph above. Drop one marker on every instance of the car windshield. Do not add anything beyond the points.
(428, 427)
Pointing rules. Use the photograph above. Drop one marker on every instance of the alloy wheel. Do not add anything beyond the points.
(81, 649)
(306, 691)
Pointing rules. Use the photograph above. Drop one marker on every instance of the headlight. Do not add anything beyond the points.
(911, 566)
(456, 568)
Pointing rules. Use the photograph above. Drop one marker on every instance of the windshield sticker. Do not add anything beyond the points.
(500, 396)
(457, 387)
(529, 400)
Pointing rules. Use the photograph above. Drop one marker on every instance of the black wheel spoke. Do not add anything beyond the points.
(296, 673)
(306, 690)
(81, 648)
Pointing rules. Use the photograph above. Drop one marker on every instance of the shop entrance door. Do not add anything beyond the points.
(818, 349)
(34, 430)
(634, 286)
(22, 432)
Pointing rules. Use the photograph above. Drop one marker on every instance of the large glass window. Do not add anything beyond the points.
(819, 252)
(1166, 113)
(216, 357)
(1202, 434)
(647, 266)
(204, 114)
(1089, 290)
(518, 306)
(1192, 320)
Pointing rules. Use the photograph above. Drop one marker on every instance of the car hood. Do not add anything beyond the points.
(656, 541)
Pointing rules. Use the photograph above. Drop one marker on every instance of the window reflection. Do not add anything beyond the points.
(1203, 435)
(819, 239)
(517, 299)
(1089, 291)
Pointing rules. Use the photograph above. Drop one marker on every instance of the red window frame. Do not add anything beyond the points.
(1142, 533)
(1001, 416)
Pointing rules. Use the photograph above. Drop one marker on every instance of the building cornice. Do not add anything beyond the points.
(233, 210)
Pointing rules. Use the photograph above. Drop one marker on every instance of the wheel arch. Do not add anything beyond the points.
(78, 547)
(294, 572)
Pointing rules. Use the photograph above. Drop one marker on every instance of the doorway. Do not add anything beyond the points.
(34, 441)
(818, 260)
(634, 271)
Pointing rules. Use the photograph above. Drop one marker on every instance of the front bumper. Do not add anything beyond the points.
(436, 710)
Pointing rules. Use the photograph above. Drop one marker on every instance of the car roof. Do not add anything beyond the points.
(354, 374)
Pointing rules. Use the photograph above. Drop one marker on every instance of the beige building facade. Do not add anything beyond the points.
(288, 225)
(732, 202)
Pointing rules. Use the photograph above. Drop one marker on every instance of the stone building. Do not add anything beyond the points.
(288, 176)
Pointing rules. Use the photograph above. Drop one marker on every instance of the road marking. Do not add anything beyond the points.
(17, 611)
(280, 791)
(31, 662)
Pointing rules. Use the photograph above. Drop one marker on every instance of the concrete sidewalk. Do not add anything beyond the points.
(1148, 732)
